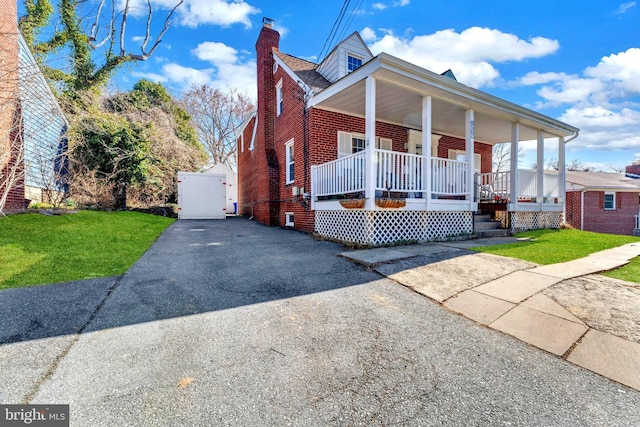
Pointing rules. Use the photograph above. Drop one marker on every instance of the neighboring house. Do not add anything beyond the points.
(633, 170)
(603, 202)
(373, 149)
(42, 125)
(231, 184)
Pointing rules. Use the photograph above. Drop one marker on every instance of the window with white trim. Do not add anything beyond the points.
(461, 156)
(279, 103)
(290, 161)
(288, 219)
(353, 62)
(350, 143)
(609, 201)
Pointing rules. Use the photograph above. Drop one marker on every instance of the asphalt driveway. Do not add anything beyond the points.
(233, 323)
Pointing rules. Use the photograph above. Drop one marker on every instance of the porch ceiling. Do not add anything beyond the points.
(399, 101)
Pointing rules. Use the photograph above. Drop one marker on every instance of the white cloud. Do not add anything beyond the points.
(137, 39)
(228, 69)
(623, 69)
(400, 2)
(616, 77)
(154, 77)
(215, 52)
(187, 76)
(193, 13)
(624, 7)
(570, 91)
(379, 6)
(469, 54)
(602, 102)
(217, 12)
(368, 34)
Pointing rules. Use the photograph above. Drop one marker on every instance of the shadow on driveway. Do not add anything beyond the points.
(195, 266)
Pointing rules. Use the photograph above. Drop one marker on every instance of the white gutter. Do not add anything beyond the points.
(253, 134)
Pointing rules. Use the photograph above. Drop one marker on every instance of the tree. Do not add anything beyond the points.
(574, 165)
(502, 156)
(134, 141)
(107, 33)
(217, 117)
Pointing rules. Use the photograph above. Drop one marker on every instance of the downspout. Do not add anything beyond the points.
(582, 209)
(251, 148)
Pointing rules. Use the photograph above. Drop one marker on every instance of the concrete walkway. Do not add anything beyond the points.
(508, 297)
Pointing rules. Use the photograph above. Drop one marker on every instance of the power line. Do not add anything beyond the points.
(334, 30)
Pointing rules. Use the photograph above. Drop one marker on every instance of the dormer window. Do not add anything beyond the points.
(353, 62)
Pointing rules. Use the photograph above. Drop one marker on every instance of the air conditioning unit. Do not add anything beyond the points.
(295, 191)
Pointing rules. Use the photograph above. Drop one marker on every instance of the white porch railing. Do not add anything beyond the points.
(448, 177)
(342, 176)
(395, 172)
(399, 171)
(498, 184)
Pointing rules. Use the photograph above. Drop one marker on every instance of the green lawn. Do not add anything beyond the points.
(37, 249)
(554, 246)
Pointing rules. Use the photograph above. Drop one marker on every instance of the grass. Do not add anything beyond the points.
(554, 246)
(37, 249)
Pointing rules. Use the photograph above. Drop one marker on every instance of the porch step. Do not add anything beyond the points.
(483, 226)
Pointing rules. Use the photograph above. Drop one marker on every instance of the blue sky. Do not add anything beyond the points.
(575, 61)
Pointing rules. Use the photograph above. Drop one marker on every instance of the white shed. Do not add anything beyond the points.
(232, 185)
(201, 196)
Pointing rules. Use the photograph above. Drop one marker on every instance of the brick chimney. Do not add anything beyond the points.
(267, 163)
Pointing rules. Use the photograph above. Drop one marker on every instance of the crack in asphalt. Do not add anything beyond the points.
(60, 357)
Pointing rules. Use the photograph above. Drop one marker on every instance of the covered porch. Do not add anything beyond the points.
(387, 182)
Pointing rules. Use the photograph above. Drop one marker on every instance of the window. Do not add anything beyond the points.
(279, 98)
(353, 62)
(461, 156)
(242, 142)
(288, 219)
(350, 143)
(384, 144)
(289, 160)
(609, 201)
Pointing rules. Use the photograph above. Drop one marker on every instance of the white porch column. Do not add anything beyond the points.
(370, 137)
(513, 176)
(469, 136)
(540, 168)
(562, 177)
(426, 148)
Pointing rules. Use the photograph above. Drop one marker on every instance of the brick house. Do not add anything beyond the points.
(373, 149)
(32, 124)
(603, 202)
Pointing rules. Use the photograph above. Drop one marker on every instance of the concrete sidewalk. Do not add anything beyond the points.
(507, 295)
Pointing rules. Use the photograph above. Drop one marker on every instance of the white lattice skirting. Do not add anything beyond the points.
(522, 221)
(375, 228)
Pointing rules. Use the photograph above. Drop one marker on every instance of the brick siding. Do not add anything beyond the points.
(621, 220)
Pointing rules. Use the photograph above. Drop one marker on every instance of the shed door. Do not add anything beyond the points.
(201, 196)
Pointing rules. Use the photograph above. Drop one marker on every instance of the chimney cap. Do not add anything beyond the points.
(267, 22)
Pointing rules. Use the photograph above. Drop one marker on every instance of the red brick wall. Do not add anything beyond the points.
(324, 127)
(452, 143)
(618, 221)
(10, 121)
